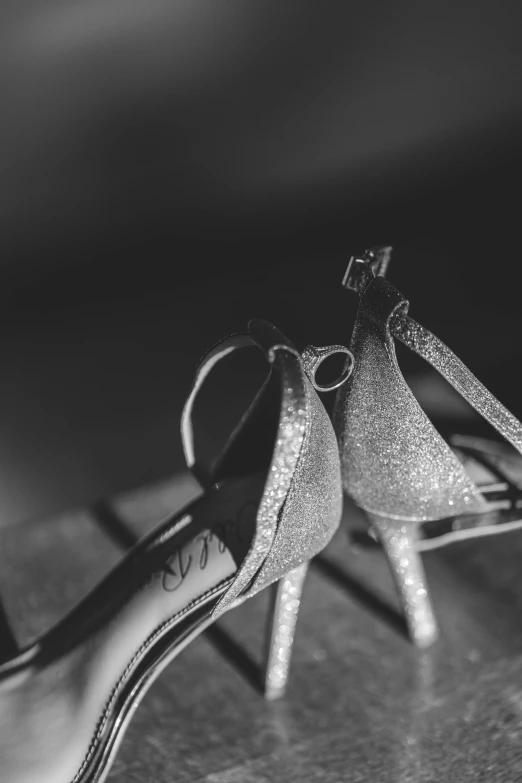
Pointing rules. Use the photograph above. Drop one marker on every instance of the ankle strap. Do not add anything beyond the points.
(434, 351)
(374, 263)
(261, 335)
(209, 361)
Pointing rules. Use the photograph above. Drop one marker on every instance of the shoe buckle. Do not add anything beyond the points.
(361, 269)
(313, 356)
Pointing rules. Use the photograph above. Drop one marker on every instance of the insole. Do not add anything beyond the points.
(53, 696)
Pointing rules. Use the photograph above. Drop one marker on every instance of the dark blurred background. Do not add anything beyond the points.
(169, 170)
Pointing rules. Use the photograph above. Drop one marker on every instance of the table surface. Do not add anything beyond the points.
(362, 704)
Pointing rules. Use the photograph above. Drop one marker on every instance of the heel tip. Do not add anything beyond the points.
(424, 636)
(274, 693)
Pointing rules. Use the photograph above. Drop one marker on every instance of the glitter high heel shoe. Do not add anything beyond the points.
(416, 492)
(272, 502)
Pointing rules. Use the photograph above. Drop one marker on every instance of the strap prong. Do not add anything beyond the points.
(374, 262)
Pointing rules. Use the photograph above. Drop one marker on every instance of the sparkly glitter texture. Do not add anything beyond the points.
(439, 356)
(393, 460)
(301, 504)
(394, 463)
(398, 540)
(290, 438)
(287, 597)
(313, 506)
(302, 501)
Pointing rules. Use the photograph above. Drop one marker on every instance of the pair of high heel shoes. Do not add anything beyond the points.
(270, 503)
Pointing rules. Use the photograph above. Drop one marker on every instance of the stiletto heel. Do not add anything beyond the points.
(271, 501)
(418, 492)
(399, 540)
(280, 632)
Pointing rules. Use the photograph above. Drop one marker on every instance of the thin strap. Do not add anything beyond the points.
(209, 361)
(434, 351)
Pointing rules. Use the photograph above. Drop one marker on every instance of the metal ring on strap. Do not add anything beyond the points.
(312, 358)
